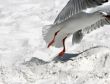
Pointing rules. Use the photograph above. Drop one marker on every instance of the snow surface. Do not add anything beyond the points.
(24, 58)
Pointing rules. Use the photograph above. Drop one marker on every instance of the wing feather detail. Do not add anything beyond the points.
(98, 24)
(74, 7)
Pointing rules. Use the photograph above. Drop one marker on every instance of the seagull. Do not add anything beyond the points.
(74, 20)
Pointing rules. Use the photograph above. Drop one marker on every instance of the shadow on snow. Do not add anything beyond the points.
(70, 56)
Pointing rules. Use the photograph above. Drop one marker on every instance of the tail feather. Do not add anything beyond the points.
(48, 34)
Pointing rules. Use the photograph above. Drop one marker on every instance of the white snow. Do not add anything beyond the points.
(25, 59)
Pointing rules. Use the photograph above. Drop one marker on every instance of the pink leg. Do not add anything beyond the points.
(53, 40)
(63, 51)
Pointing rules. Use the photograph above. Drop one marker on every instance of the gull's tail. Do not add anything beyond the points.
(48, 33)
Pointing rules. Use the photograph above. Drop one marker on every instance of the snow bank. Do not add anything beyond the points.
(24, 58)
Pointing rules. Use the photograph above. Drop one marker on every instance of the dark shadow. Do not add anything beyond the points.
(66, 57)
(69, 56)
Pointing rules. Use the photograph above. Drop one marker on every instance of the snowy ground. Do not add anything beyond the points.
(24, 58)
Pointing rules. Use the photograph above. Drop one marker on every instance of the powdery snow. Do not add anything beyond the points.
(25, 59)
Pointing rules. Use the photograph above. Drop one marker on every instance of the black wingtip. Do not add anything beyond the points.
(100, 3)
(107, 16)
(105, 1)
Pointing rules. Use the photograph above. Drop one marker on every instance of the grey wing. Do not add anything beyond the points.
(98, 24)
(76, 6)
(77, 36)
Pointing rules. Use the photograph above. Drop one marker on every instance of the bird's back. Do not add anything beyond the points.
(79, 21)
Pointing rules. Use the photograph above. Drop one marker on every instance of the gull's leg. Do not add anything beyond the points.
(63, 51)
(53, 40)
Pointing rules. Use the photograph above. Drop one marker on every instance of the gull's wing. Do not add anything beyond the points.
(77, 36)
(100, 23)
(75, 6)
